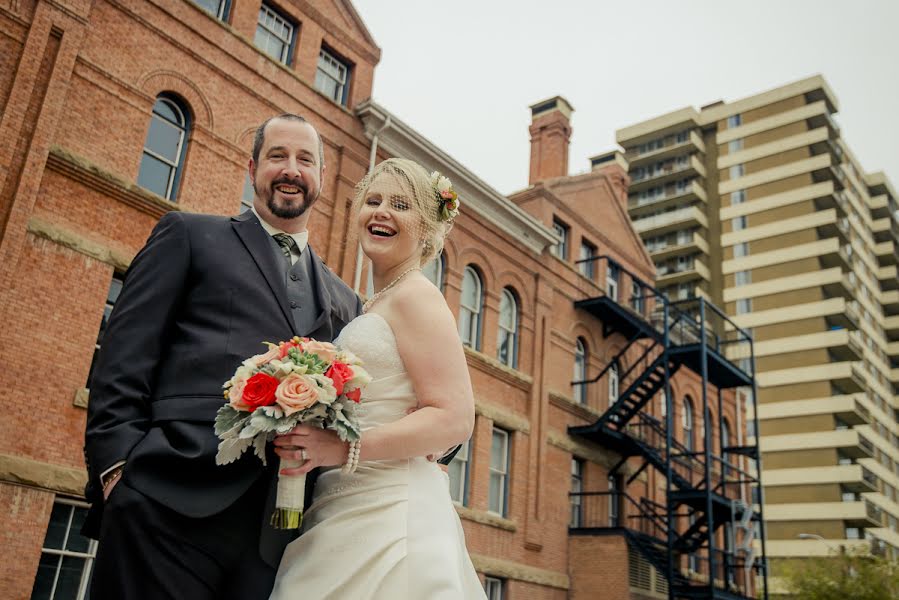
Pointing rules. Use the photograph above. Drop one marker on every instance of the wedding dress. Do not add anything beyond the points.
(388, 531)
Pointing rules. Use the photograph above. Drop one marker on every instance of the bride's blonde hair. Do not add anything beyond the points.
(417, 186)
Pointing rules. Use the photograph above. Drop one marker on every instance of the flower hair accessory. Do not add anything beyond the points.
(447, 198)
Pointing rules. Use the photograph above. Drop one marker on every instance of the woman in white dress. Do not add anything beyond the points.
(389, 530)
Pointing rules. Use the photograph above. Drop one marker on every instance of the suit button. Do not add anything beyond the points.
(293, 304)
(294, 276)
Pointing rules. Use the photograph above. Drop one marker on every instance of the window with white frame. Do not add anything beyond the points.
(247, 195)
(580, 371)
(470, 307)
(332, 77)
(561, 248)
(613, 274)
(739, 223)
(614, 501)
(498, 492)
(577, 488)
(115, 288)
(735, 145)
(734, 121)
(64, 570)
(587, 252)
(687, 423)
(737, 171)
(458, 474)
(216, 8)
(507, 332)
(738, 197)
(744, 305)
(494, 588)
(164, 149)
(742, 278)
(741, 249)
(274, 34)
(613, 383)
(434, 271)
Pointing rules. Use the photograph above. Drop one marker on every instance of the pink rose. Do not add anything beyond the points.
(324, 350)
(260, 359)
(296, 393)
(235, 395)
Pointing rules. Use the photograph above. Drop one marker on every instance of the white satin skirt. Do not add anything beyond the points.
(389, 531)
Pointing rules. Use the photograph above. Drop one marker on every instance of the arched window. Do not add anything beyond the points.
(163, 159)
(434, 271)
(689, 442)
(507, 334)
(580, 371)
(470, 309)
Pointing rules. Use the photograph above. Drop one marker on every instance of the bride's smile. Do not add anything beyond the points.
(389, 228)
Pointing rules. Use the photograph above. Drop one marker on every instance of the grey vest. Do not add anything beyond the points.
(301, 292)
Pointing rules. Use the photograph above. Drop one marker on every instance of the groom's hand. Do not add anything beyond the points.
(311, 446)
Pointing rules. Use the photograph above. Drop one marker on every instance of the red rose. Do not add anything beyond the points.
(339, 373)
(259, 391)
(355, 395)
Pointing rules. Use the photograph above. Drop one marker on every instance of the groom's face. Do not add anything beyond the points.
(287, 177)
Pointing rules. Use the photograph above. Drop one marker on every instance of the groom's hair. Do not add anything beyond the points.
(259, 139)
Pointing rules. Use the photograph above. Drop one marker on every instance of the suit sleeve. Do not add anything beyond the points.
(118, 414)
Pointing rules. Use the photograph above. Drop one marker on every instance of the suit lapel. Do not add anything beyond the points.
(323, 296)
(255, 238)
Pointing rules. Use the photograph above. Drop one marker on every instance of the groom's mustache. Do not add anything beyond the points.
(298, 183)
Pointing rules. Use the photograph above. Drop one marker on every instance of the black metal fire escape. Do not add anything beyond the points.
(709, 521)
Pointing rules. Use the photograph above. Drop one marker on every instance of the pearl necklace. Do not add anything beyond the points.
(368, 303)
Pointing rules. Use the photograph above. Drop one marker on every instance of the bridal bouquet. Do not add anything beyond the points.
(298, 381)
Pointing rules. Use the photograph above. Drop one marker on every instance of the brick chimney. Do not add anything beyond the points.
(550, 133)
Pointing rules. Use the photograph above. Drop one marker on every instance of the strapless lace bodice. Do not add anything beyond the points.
(390, 394)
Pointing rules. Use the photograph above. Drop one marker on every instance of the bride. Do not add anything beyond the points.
(383, 526)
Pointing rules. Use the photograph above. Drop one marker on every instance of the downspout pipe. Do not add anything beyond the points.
(357, 276)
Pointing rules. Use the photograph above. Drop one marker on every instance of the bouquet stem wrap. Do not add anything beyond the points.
(290, 497)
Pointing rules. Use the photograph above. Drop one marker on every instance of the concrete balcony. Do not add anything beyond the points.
(891, 327)
(693, 167)
(849, 441)
(854, 478)
(696, 245)
(887, 277)
(880, 206)
(848, 408)
(691, 145)
(848, 377)
(885, 230)
(890, 302)
(887, 254)
(682, 218)
(862, 513)
(673, 196)
(893, 349)
(698, 270)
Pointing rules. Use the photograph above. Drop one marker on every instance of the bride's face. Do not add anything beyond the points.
(389, 225)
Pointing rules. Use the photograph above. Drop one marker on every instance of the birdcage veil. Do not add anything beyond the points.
(430, 196)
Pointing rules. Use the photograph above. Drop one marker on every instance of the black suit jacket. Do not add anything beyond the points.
(198, 299)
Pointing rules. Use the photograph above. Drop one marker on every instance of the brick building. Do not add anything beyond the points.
(113, 112)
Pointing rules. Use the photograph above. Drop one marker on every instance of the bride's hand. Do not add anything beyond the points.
(319, 447)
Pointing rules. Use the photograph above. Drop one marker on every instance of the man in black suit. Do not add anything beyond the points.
(199, 298)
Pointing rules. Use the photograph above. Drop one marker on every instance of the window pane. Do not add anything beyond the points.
(469, 289)
(46, 572)
(154, 175)
(465, 320)
(69, 578)
(165, 109)
(434, 272)
(495, 503)
(164, 139)
(211, 6)
(498, 452)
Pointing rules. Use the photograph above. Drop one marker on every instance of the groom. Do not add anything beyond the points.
(199, 298)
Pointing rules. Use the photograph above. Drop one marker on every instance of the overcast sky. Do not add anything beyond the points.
(463, 73)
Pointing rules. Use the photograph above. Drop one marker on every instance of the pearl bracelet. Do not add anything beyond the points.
(352, 458)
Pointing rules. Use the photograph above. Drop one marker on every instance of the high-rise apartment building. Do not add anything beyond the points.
(760, 206)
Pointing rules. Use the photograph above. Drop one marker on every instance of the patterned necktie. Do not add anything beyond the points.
(287, 244)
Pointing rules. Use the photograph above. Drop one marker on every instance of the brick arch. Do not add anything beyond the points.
(160, 81)
(478, 259)
(580, 329)
(451, 254)
(514, 281)
(244, 139)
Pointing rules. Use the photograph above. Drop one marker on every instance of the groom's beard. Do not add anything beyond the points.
(287, 211)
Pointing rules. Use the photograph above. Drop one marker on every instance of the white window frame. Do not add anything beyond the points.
(734, 120)
(742, 278)
(218, 13)
(471, 338)
(500, 473)
(743, 306)
(737, 171)
(493, 588)
(587, 251)
(508, 332)
(738, 197)
(434, 271)
(613, 384)
(463, 458)
(62, 553)
(613, 272)
(741, 249)
(268, 20)
(563, 231)
(577, 487)
(579, 393)
(614, 501)
(335, 70)
(174, 166)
